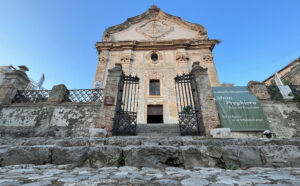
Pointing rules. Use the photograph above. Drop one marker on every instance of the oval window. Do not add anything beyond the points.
(154, 57)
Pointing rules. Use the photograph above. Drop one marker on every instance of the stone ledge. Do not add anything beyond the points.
(191, 152)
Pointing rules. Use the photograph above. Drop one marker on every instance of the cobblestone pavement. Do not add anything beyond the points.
(67, 175)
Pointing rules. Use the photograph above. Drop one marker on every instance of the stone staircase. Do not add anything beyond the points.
(158, 130)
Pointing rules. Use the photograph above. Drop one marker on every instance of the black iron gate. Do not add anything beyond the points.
(188, 104)
(125, 119)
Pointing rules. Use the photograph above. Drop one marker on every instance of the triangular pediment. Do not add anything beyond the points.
(154, 24)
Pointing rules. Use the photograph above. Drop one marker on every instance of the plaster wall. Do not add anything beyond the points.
(48, 120)
(141, 30)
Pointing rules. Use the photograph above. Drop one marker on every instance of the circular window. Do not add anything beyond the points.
(154, 57)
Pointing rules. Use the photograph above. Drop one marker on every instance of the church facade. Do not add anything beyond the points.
(156, 47)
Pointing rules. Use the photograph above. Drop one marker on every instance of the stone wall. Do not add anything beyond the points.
(283, 118)
(59, 120)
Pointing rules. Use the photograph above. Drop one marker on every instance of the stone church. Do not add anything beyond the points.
(155, 46)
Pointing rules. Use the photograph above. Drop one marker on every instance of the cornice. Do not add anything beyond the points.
(155, 45)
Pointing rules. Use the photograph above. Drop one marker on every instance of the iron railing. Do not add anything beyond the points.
(31, 96)
(84, 96)
(75, 96)
(189, 111)
(125, 119)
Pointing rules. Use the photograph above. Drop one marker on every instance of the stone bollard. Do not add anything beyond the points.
(205, 97)
(259, 90)
(58, 93)
(105, 119)
(12, 82)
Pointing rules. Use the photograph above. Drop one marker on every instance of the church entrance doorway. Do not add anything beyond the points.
(155, 114)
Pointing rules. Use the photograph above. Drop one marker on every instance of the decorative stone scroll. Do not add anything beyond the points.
(181, 56)
(208, 58)
(103, 59)
(103, 56)
(126, 57)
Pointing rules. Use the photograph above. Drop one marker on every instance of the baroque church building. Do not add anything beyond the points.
(156, 47)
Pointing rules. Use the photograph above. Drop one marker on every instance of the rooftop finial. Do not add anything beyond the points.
(154, 7)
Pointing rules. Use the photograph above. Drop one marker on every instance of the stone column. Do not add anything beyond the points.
(206, 99)
(12, 82)
(259, 90)
(105, 119)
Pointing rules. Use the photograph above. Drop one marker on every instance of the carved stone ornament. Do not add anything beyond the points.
(181, 58)
(126, 59)
(103, 59)
(208, 58)
(154, 29)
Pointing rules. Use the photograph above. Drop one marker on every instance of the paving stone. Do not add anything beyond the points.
(167, 182)
(194, 181)
(35, 175)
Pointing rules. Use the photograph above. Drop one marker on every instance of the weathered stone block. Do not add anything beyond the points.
(19, 117)
(104, 156)
(242, 157)
(200, 156)
(152, 156)
(220, 133)
(69, 155)
(58, 93)
(24, 155)
(7, 94)
(259, 90)
(97, 132)
(281, 156)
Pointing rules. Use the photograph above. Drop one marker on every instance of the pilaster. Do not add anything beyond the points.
(12, 82)
(205, 97)
(106, 117)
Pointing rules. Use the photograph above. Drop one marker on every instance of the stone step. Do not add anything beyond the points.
(159, 134)
(147, 151)
(156, 130)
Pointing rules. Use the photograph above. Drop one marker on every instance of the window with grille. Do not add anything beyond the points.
(154, 87)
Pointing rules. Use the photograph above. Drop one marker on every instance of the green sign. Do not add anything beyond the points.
(239, 109)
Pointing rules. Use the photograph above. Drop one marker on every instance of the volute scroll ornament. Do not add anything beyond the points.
(208, 58)
(181, 58)
(126, 59)
(103, 59)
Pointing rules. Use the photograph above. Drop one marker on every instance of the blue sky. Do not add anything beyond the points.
(57, 37)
